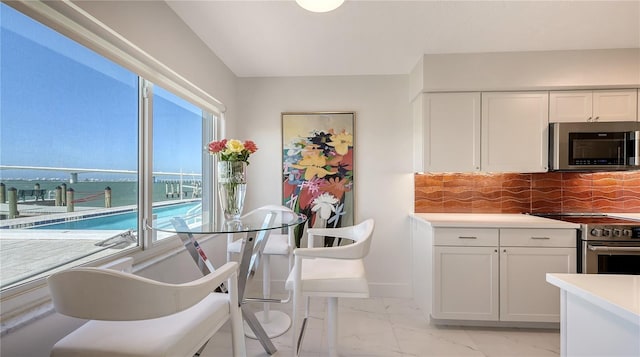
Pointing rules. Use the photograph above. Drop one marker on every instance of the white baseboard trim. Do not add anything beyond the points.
(375, 289)
(390, 290)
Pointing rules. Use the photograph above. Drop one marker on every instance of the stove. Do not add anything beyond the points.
(606, 245)
(600, 226)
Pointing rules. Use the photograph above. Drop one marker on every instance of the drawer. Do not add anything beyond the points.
(538, 238)
(476, 237)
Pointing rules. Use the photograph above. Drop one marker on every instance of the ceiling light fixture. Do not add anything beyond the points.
(320, 5)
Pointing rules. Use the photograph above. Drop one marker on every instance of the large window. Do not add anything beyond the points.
(70, 124)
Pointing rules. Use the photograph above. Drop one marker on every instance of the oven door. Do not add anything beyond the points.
(602, 257)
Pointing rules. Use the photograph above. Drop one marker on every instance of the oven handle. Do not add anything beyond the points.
(614, 249)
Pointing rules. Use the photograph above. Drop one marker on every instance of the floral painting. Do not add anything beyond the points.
(317, 168)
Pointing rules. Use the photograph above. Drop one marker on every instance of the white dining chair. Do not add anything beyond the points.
(134, 316)
(277, 243)
(331, 272)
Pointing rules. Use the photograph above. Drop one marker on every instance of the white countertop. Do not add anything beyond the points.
(492, 220)
(618, 294)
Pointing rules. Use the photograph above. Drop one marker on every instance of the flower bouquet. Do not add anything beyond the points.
(233, 158)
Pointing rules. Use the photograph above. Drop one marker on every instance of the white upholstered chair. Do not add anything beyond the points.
(275, 323)
(134, 316)
(331, 272)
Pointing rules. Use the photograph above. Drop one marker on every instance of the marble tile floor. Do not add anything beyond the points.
(392, 327)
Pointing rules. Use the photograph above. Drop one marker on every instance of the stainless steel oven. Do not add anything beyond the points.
(606, 245)
(605, 257)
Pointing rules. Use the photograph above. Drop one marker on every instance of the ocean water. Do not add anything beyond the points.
(91, 193)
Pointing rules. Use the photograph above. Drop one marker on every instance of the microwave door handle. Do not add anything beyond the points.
(619, 155)
(614, 249)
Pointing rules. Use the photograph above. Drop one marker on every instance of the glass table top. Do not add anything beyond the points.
(258, 220)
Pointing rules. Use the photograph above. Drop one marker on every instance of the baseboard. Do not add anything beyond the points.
(390, 290)
(375, 289)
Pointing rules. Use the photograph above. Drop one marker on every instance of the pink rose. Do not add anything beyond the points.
(250, 146)
(217, 146)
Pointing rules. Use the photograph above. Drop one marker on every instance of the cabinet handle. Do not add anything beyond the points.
(540, 238)
(467, 237)
(504, 251)
(596, 119)
(589, 119)
(495, 250)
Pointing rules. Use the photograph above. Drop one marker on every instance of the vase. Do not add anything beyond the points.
(232, 186)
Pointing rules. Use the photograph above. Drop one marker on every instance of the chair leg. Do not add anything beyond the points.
(237, 326)
(237, 333)
(332, 326)
(266, 285)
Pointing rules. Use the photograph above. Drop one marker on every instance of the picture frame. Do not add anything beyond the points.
(318, 168)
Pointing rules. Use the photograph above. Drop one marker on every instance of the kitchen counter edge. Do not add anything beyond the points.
(491, 220)
(618, 294)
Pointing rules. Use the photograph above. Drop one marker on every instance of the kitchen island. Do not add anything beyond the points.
(600, 314)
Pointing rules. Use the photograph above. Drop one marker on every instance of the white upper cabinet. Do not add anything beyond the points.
(570, 106)
(451, 132)
(515, 131)
(615, 105)
(597, 105)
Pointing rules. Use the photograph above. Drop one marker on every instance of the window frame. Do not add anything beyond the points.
(29, 301)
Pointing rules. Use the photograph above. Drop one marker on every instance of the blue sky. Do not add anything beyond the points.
(63, 105)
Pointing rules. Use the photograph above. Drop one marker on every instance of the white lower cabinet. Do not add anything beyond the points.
(499, 274)
(524, 293)
(466, 283)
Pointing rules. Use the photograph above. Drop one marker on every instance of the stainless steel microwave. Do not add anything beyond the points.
(594, 146)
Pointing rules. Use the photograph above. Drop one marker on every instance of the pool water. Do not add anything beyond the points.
(121, 221)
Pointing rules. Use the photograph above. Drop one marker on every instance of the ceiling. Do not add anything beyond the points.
(277, 38)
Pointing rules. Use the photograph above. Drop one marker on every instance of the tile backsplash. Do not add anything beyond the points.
(557, 192)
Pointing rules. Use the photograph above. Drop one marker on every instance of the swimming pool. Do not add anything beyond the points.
(121, 221)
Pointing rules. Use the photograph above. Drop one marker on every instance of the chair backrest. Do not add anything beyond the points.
(360, 234)
(105, 294)
(279, 211)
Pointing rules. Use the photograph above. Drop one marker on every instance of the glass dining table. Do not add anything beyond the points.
(254, 228)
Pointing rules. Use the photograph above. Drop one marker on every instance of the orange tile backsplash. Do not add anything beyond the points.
(557, 192)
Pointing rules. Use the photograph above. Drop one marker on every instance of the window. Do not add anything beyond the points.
(177, 157)
(70, 152)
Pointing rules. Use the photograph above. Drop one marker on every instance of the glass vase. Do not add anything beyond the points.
(232, 186)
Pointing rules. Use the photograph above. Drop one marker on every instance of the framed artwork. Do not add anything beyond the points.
(318, 168)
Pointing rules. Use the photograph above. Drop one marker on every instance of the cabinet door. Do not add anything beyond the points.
(615, 105)
(465, 283)
(515, 131)
(524, 293)
(570, 106)
(452, 132)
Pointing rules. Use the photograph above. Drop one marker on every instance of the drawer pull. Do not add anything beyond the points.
(467, 237)
(540, 238)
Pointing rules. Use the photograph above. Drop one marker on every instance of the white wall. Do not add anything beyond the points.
(383, 156)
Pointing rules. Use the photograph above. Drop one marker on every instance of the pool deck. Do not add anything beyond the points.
(25, 252)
